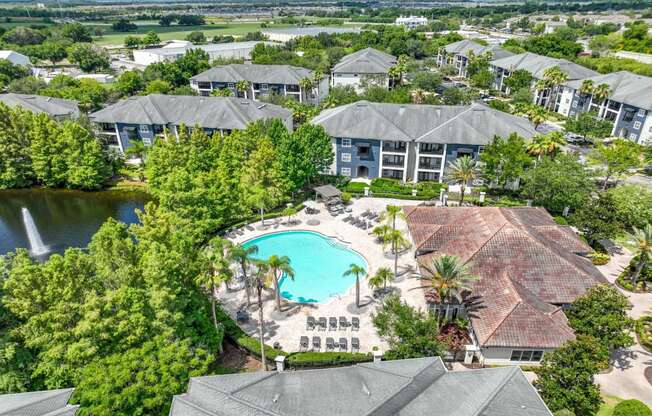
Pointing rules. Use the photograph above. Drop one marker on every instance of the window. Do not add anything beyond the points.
(629, 115)
(641, 112)
(526, 355)
(346, 157)
(480, 149)
(435, 148)
(346, 142)
(632, 136)
(393, 160)
(428, 176)
(392, 174)
(637, 125)
(364, 151)
(345, 171)
(144, 128)
(230, 85)
(264, 87)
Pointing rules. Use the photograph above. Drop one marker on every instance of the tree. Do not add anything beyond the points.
(356, 271)
(483, 79)
(617, 158)
(124, 25)
(598, 219)
(260, 281)
(633, 204)
(553, 78)
(196, 37)
(587, 125)
(53, 51)
(602, 314)
(632, 407)
(396, 72)
(15, 163)
(565, 377)
(381, 278)
(558, 183)
(462, 171)
(130, 82)
(151, 38)
(397, 241)
(244, 257)
(166, 20)
(76, 32)
(536, 114)
(427, 81)
(391, 214)
(546, 145)
(306, 84)
(88, 57)
(600, 94)
(23, 36)
(519, 79)
(643, 238)
(449, 277)
(222, 92)
(132, 42)
(409, 332)
(190, 20)
(505, 159)
(158, 86)
(279, 267)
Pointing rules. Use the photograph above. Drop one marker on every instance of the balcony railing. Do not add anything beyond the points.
(431, 166)
(392, 148)
(392, 162)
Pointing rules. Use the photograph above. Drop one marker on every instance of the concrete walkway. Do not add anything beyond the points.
(626, 378)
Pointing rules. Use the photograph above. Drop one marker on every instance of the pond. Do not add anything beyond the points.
(48, 221)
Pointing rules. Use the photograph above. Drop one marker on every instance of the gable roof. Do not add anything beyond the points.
(38, 403)
(209, 112)
(467, 124)
(365, 61)
(626, 87)
(537, 64)
(402, 387)
(14, 57)
(527, 264)
(56, 107)
(266, 74)
(464, 47)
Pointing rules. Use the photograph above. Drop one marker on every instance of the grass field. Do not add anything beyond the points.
(607, 408)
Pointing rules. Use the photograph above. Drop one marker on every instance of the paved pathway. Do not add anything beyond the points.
(626, 378)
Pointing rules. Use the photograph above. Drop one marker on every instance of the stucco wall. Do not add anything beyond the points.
(501, 356)
(372, 162)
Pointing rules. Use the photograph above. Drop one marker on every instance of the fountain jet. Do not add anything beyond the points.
(36, 246)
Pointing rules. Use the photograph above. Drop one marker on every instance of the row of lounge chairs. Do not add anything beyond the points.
(358, 222)
(311, 211)
(333, 323)
(331, 345)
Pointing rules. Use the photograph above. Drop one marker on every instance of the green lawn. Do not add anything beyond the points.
(607, 407)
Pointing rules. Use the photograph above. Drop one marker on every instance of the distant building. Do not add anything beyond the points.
(214, 50)
(411, 22)
(364, 66)
(101, 78)
(412, 387)
(412, 143)
(264, 80)
(144, 118)
(458, 54)
(15, 57)
(38, 403)
(287, 34)
(57, 108)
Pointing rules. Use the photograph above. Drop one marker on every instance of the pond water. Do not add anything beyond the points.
(49, 221)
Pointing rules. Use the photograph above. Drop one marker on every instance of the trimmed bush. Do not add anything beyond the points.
(319, 359)
(644, 279)
(598, 258)
(644, 331)
(632, 408)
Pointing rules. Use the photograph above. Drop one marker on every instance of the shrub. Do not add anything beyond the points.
(644, 331)
(598, 258)
(644, 279)
(632, 408)
(564, 412)
(346, 197)
(235, 333)
(561, 220)
(318, 359)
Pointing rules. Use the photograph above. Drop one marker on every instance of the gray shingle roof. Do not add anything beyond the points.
(365, 61)
(465, 46)
(208, 112)
(411, 387)
(56, 107)
(265, 74)
(625, 86)
(468, 124)
(38, 403)
(537, 64)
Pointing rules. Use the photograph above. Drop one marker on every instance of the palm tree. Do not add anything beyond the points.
(317, 77)
(542, 145)
(449, 277)
(357, 271)
(397, 242)
(381, 231)
(536, 114)
(537, 147)
(601, 93)
(397, 71)
(418, 96)
(462, 171)
(643, 238)
(243, 256)
(259, 281)
(306, 84)
(587, 87)
(222, 92)
(243, 86)
(382, 276)
(392, 212)
(279, 266)
(554, 77)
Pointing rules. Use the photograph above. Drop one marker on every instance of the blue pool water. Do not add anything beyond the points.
(318, 262)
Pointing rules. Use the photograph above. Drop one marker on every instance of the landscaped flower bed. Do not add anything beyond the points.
(644, 279)
(644, 332)
(393, 188)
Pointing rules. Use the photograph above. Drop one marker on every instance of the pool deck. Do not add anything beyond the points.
(287, 326)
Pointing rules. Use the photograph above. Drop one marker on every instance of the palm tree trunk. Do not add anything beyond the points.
(462, 189)
(277, 292)
(262, 216)
(214, 313)
(260, 329)
(606, 181)
(357, 291)
(637, 271)
(247, 284)
(395, 248)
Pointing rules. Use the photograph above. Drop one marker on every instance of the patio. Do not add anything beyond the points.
(287, 326)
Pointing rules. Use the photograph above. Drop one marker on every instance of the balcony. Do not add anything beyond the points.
(429, 163)
(394, 147)
(431, 149)
(394, 161)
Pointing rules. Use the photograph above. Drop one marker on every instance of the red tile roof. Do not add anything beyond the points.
(527, 264)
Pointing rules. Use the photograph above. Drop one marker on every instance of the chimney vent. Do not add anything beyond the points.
(280, 363)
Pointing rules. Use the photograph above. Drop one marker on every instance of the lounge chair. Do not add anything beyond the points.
(332, 323)
(310, 323)
(322, 324)
(343, 345)
(330, 344)
(355, 324)
(316, 343)
(250, 228)
(343, 323)
(355, 344)
(241, 316)
(303, 343)
(347, 219)
(366, 214)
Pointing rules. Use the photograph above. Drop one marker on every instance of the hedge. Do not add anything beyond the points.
(644, 331)
(319, 359)
(393, 188)
(632, 408)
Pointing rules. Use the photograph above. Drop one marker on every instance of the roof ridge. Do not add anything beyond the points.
(232, 395)
(444, 123)
(373, 108)
(495, 391)
(487, 240)
(237, 111)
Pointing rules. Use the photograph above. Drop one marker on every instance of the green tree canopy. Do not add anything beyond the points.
(505, 159)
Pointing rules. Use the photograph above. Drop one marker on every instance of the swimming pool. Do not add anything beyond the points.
(318, 262)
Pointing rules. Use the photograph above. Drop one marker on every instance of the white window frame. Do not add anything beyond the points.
(230, 85)
(345, 171)
(480, 150)
(264, 87)
(523, 351)
(637, 125)
(346, 157)
(346, 142)
(632, 136)
(144, 128)
(641, 112)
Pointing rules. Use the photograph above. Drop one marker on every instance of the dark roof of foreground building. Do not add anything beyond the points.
(527, 265)
(265, 74)
(626, 87)
(38, 403)
(464, 124)
(466, 46)
(56, 107)
(414, 387)
(209, 112)
(365, 61)
(537, 64)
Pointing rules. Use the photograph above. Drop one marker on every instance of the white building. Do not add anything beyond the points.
(369, 66)
(411, 22)
(214, 50)
(285, 35)
(14, 57)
